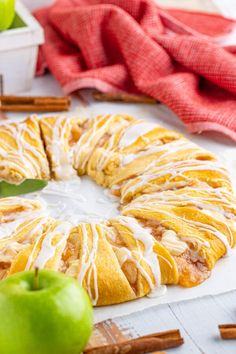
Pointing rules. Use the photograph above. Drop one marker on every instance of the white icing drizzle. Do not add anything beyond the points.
(204, 205)
(204, 227)
(48, 250)
(105, 154)
(25, 158)
(107, 151)
(61, 159)
(185, 197)
(87, 142)
(168, 149)
(9, 229)
(173, 243)
(130, 256)
(135, 131)
(14, 246)
(160, 291)
(151, 258)
(88, 265)
(28, 205)
(214, 231)
(173, 169)
(12, 221)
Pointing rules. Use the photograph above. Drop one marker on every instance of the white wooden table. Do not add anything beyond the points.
(197, 319)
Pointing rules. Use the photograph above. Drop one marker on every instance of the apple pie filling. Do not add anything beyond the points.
(192, 268)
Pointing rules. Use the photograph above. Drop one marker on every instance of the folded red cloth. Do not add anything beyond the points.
(137, 47)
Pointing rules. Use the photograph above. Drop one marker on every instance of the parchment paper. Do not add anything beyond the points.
(82, 200)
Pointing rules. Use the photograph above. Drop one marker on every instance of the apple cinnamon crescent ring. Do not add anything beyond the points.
(178, 211)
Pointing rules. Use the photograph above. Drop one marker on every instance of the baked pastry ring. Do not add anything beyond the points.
(178, 212)
(22, 152)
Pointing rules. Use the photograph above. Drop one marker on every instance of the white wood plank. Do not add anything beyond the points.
(156, 319)
(228, 303)
(201, 317)
(197, 320)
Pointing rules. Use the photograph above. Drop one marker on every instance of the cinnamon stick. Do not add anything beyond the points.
(34, 103)
(34, 108)
(123, 97)
(227, 331)
(141, 345)
(35, 99)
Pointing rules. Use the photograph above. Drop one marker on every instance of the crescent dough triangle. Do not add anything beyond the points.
(22, 153)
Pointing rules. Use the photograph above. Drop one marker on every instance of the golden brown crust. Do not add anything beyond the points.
(22, 152)
(60, 135)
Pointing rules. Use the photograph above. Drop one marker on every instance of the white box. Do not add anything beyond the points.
(18, 52)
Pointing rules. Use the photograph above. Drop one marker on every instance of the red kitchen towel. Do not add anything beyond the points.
(137, 47)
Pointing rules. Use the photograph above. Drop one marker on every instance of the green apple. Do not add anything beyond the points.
(7, 13)
(48, 314)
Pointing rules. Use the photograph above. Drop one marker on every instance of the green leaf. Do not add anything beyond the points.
(27, 186)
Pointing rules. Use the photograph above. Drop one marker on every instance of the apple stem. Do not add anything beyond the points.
(36, 279)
